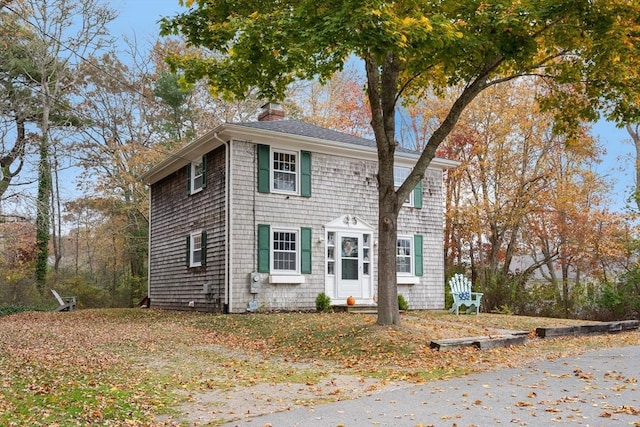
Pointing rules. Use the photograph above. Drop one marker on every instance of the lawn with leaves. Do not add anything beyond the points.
(139, 367)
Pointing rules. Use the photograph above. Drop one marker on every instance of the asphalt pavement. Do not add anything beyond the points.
(597, 388)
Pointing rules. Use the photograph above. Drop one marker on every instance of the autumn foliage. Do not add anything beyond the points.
(527, 215)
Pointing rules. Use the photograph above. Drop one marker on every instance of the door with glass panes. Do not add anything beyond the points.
(349, 260)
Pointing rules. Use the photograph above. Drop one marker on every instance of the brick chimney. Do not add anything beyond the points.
(271, 111)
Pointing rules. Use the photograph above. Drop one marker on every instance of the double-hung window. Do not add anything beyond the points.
(285, 171)
(409, 260)
(285, 250)
(400, 174)
(404, 256)
(197, 249)
(197, 175)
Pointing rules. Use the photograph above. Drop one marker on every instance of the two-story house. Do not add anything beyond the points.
(269, 214)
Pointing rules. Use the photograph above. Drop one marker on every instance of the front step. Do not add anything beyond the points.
(356, 309)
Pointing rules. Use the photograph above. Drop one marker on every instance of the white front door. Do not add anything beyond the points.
(349, 260)
(349, 265)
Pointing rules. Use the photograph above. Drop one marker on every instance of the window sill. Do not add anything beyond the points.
(285, 192)
(407, 280)
(293, 279)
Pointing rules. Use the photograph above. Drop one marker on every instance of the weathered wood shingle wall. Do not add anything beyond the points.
(174, 215)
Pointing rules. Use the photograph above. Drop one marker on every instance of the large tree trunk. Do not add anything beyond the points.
(382, 88)
(388, 310)
(383, 91)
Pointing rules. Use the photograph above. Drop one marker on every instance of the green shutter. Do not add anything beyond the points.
(188, 178)
(417, 195)
(305, 173)
(264, 161)
(203, 248)
(204, 171)
(305, 245)
(417, 253)
(264, 238)
(188, 251)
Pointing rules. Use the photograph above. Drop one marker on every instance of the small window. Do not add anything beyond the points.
(196, 249)
(285, 251)
(404, 256)
(197, 176)
(285, 171)
(401, 173)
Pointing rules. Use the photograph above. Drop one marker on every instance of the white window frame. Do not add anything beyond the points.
(195, 165)
(273, 171)
(194, 237)
(297, 251)
(400, 173)
(411, 256)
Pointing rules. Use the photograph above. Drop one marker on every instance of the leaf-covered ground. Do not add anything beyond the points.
(151, 367)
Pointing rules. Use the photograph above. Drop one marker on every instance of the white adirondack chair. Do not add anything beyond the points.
(463, 296)
(64, 303)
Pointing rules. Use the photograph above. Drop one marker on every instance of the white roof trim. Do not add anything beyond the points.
(187, 154)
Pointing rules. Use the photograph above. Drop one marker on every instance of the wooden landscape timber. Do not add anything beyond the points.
(519, 337)
(597, 328)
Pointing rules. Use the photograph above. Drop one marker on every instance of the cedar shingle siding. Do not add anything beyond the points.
(340, 185)
(174, 215)
(336, 183)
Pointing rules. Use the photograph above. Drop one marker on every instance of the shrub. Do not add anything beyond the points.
(13, 309)
(403, 305)
(621, 300)
(323, 302)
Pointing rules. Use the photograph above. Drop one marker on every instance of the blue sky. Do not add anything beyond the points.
(618, 163)
(139, 18)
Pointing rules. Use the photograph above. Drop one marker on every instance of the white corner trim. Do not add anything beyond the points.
(295, 279)
(407, 280)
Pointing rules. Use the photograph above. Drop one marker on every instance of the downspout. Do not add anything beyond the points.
(228, 297)
(149, 255)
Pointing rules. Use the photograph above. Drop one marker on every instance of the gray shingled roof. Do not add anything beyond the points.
(296, 127)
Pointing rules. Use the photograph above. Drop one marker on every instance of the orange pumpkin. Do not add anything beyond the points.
(351, 300)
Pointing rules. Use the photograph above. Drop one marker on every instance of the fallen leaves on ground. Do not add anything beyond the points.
(126, 367)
